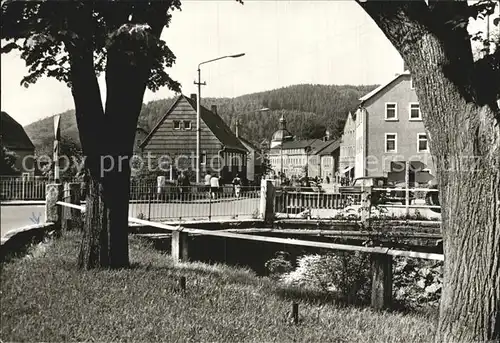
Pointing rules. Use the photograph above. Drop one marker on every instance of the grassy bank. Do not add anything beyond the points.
(45, 298)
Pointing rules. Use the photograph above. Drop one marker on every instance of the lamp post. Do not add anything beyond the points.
(198, 111)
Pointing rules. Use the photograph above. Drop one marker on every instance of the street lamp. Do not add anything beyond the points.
(198, 111)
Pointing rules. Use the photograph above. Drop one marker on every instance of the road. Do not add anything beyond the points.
(13, 217)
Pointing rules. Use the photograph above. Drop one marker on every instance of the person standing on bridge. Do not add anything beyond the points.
(214, 186)
(208, 177)
(237, 185)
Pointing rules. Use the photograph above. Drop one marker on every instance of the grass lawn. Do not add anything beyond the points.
(45, 298)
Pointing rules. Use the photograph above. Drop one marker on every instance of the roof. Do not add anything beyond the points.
(248, 143)
(315, 144)
(13, 135)
(328, 150)
(214, 122)
(382, 87)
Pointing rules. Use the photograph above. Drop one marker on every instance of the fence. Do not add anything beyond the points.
(22, 189)
(381, 295)
(194, 203)
(297, 201)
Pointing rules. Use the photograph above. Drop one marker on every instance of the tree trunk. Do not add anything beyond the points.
(462, 121)
(470, 191)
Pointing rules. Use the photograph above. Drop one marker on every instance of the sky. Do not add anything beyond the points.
(285, 43)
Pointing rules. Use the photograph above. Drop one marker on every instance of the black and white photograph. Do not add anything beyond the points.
(250, 171)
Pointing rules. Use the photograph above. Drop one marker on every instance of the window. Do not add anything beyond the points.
(391, 142)
(203, 158)
(187, 125)
(422, 145)
(415, 111)
(177, 125)
(391, 111)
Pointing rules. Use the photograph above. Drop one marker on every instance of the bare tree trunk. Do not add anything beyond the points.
(462, 120)
(470, 191)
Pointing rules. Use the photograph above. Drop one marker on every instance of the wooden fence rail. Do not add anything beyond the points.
(381, 258)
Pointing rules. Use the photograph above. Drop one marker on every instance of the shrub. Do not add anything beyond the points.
(346, 273)
(417, 283)
(279, 265)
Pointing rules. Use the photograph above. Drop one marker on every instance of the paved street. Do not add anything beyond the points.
(13, 217)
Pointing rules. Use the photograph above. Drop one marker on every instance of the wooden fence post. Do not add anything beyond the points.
(180, 249)
(381, 268)
(53, 212)
(267, 195)
(72, 217)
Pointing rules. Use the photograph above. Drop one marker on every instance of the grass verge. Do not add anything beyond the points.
(45, 298)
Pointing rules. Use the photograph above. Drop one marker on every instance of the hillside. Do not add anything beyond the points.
(309, 110)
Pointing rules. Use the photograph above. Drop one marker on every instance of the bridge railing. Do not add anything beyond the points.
(381, 257)
(178, 203)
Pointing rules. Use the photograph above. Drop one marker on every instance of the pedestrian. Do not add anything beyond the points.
(214, 186)
(237, 185)
(207, 182)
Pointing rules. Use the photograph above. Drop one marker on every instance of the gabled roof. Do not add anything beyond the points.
(214, 122)
(382, 87)
(13, 135)
(248, 143)
(328, 150)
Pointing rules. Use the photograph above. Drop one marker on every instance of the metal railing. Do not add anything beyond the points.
(292, 202)
(22, 189)
(175, 203)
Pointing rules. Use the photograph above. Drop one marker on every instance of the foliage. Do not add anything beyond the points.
(346, 273)
(7, 162)
(279, 265)
(50, 35)
(417, 282)
(145, 304)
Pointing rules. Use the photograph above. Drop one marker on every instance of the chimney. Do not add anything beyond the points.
(214, 109)
(193, 97)
(327, 135)
(237, 127)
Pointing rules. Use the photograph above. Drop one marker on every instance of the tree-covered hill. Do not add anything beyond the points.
(309, 110)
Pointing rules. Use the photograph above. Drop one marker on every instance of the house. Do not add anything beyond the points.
(140, 136)
(348, 148)
(296, 157)
(390, 134)
(254, 160)
(329, 160)
(14, 138)
(172, 143)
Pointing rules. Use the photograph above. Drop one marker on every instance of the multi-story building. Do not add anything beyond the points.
(297, 158)
(348, 148)
(389, 132)
(173, 140)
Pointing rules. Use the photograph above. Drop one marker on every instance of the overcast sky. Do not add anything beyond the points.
(285, 42)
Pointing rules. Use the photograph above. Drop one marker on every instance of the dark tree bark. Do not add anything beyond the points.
(107, 135)
(462, 121)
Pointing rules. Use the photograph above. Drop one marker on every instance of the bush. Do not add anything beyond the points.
(346, 273)
(279, 265)
(417, 283)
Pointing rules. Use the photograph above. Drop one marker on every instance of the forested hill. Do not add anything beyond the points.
(309, 110)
